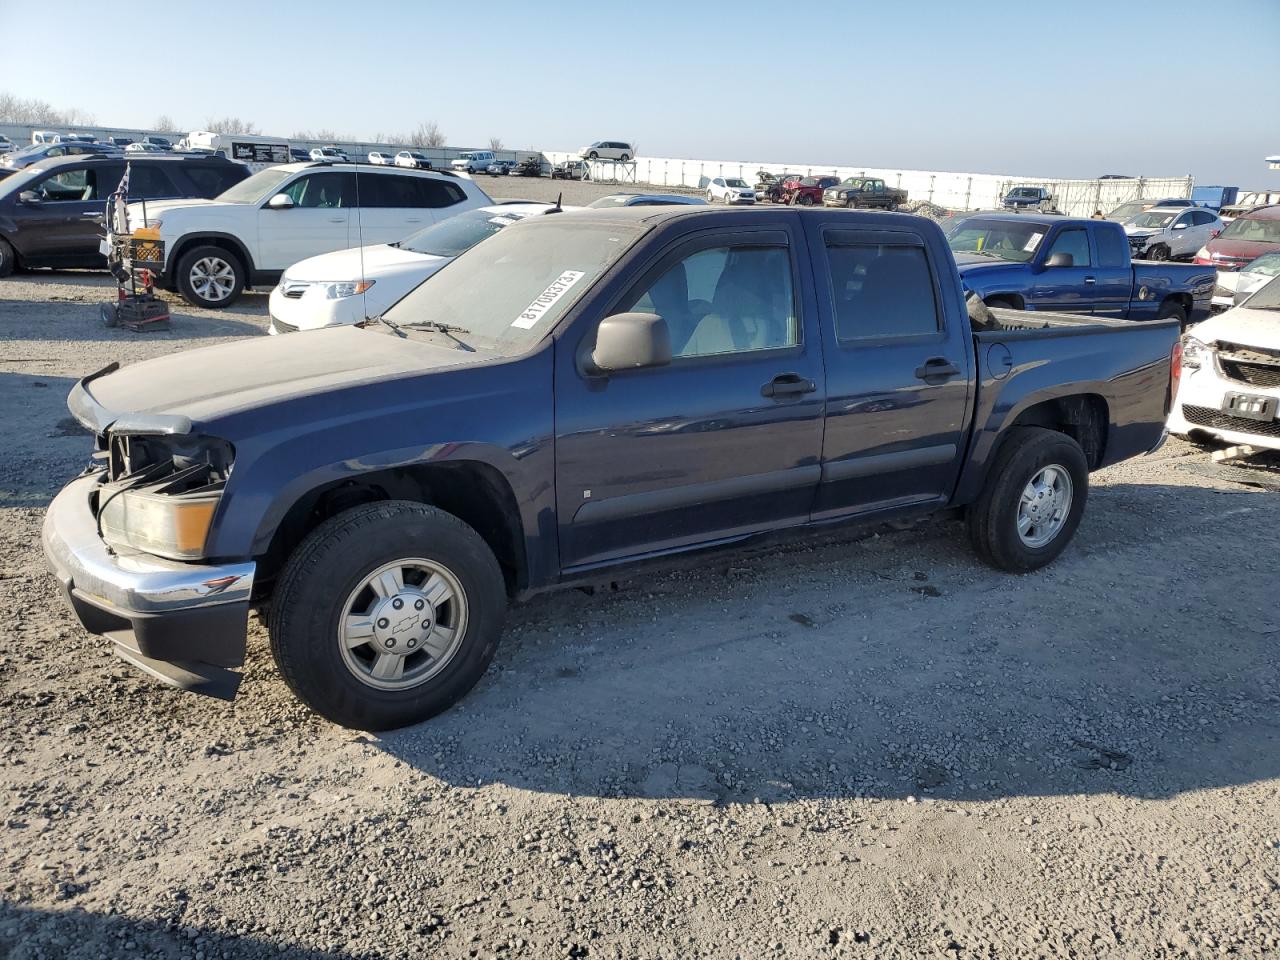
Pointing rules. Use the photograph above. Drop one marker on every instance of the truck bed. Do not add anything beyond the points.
(1003, 325)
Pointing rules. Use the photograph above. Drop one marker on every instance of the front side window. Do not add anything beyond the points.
(69, 185)
(324, 191)
(1074, 242)
(881, 291)
(725, 300)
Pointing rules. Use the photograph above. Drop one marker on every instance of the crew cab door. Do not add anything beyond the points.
(1113, 270)
(316, 223)
(1065, 289)
(899, 376)
(725, 439)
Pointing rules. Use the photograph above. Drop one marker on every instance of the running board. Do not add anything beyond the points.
(202, 678)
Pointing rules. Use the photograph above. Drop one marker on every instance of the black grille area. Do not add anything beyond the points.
(1257, 374)
(1207, 417)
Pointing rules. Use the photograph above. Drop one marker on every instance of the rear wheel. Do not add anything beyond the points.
(1000, 303)
(210, 277)
(387, 614)
(8, 259)
(805, 200)
(1172, 310)
(625, 158)
(1032, 502)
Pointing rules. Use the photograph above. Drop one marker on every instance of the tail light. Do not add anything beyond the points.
(1175, 375)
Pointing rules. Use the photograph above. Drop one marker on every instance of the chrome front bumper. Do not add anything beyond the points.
(158, 612)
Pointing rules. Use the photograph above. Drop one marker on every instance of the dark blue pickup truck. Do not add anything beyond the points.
(572, 396)
(1035, 262)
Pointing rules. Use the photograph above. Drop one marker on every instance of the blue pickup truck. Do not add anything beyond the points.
(569, 398)
(1035, 262)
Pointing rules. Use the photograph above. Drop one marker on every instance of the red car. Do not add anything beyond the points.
(1244, 239)
(806, 191)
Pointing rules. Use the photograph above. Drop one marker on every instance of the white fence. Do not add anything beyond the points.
(956, 191)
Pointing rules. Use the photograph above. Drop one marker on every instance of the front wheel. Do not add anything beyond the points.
(8, 260)
(1032, 502)
(805, 200)
(210, 277)
(625, 158)
(387, 614)
(593, 155)
(1158, 252)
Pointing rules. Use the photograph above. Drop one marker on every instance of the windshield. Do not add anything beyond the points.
(1266, 297)
(1153, 218)
(1268, 265)
(1251, 228)
(998, 238)
(255, 188)
(735, 182)
(459, 233)
(616, 200)
(508, 292)
(1127, 210)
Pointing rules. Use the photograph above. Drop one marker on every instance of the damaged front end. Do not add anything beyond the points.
(127, 542)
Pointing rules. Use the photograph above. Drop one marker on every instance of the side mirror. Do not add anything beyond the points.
(630, 341)
(31, 198)
(1179, 226)
(281, 201)
(1060, 260)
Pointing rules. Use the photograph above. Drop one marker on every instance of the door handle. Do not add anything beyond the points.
(1090, 280)
(937, 368)
(337, 219)
(787, 385)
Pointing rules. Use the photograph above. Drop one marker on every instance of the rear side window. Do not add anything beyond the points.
(149, 182)
(1112, 247)
(881, 291)
(1200, 218)
(211, 181)
(436, 193)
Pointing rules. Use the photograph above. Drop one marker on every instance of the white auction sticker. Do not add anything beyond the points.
(1031, 243)
(544, 301)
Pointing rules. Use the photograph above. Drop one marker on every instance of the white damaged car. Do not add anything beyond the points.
(1228, 381)
(351, 286)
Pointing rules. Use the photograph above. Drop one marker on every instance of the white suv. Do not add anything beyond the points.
(248, 235)
(473, 161)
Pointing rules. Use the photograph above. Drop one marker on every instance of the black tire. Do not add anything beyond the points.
(805, 200)
(993, 519)
(1172, 310)
(182, 278)
(593, 155)
(311, 597)
(8, 259)
(1158, 252)
(851, 204)
(625, 158)
(1000, 303)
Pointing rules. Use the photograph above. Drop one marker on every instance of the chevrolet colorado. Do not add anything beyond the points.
(573, 396)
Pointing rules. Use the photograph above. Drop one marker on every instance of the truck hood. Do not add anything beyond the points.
(373, 262)
(1249, 328)
(207, 384)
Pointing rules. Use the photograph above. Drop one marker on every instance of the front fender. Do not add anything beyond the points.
(285, 452)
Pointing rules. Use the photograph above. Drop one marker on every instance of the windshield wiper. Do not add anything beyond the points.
(392, 324)
(433, 325)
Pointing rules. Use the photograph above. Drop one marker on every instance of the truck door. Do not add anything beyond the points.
(899, 377)
(724, 440)
(1113, 275)
(1067, 289)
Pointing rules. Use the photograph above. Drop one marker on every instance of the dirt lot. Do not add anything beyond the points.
(860, 747)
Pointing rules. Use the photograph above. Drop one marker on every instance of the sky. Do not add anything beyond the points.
(1034, 89)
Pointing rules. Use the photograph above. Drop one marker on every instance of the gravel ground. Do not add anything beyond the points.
(864, 746)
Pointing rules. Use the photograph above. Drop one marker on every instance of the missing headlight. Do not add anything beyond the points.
(161, 492)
